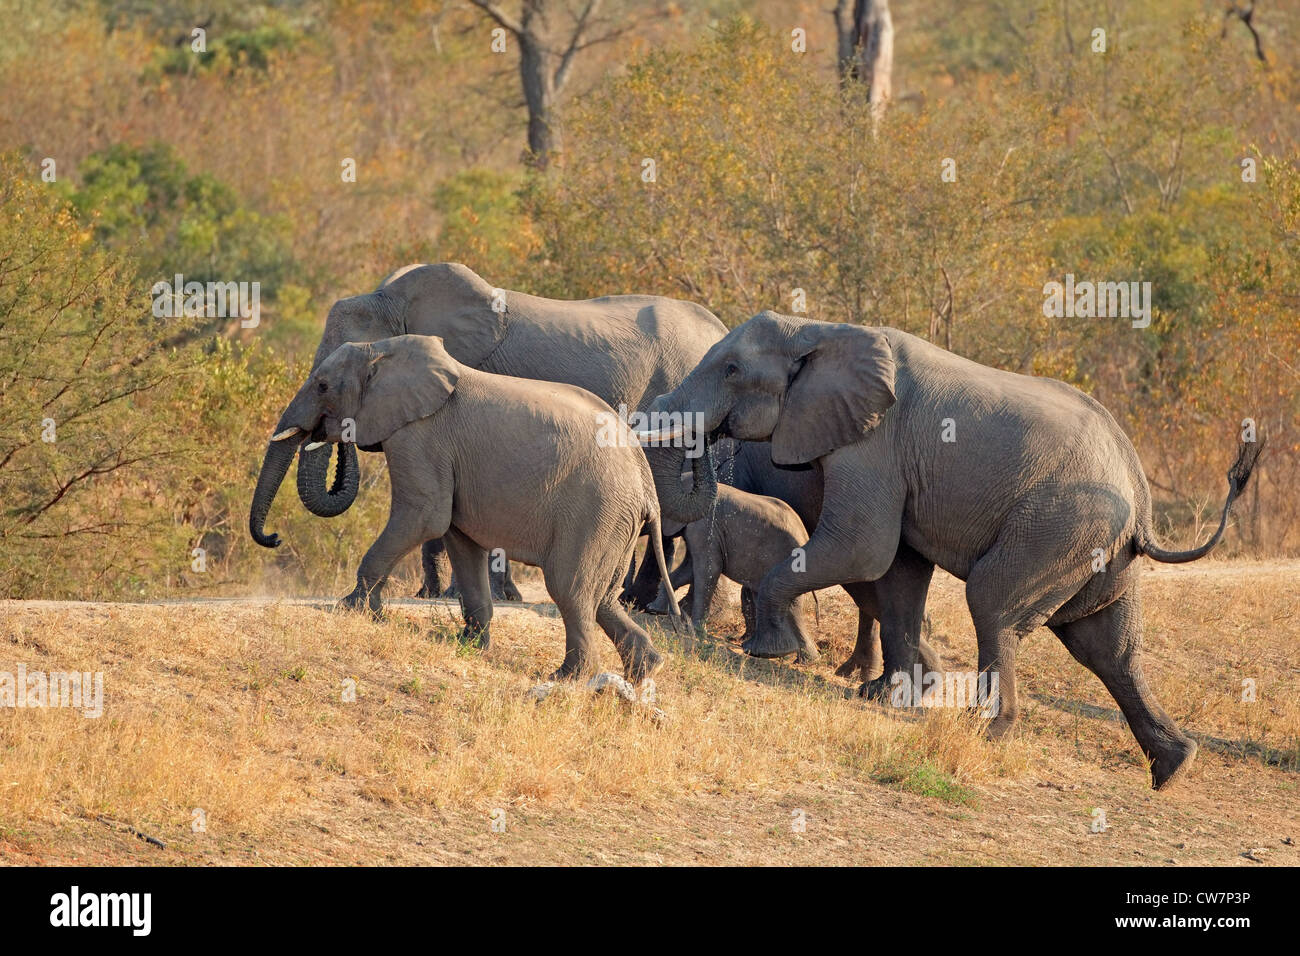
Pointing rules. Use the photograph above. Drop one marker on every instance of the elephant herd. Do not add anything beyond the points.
(793, 455)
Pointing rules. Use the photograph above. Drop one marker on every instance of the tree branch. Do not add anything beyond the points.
(499, 15)
(566, 60)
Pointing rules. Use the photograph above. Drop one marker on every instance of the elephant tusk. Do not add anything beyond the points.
(312, 446)
(646, 437)
(287, 433)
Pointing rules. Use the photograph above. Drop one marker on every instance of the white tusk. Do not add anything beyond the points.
(651, 436)
(287, 433)
(312, 446)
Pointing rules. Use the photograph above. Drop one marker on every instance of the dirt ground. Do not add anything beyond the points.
(227, 736)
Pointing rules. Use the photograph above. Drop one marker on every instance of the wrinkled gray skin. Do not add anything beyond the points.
(1039, 482)
(624, 349)
(548, 493)
(748, 467)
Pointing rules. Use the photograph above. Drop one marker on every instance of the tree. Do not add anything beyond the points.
(89, 438)
(866, 49)
(546, 60)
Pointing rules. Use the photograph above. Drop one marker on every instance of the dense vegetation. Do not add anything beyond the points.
(1012, 155)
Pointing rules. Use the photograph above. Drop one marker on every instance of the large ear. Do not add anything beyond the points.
(406, 378)
(842, 386)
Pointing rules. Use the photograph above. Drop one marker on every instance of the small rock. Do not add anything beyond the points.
(541, 691)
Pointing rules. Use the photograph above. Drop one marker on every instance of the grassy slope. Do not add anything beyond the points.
(237, 709)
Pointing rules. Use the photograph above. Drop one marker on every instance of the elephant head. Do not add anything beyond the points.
(808, 387)
(447, 300)
(361, 394)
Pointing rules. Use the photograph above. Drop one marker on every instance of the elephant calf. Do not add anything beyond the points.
(476, 457)
(744, 538)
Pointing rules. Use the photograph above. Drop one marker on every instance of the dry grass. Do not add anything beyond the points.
(238, 710)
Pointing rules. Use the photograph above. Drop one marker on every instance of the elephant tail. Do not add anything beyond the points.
(1238, 476)
(654, 529)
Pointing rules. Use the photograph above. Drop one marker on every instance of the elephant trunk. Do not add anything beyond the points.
(685, 495)
(313, 467)
(275, 465)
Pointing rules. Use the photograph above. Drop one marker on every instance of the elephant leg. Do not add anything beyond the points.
(679, 577)
(1108, 643)
(400, 536)
(645, 587)
(856, 539)
(503, 585)
(1006, 603)
(437, 571)
(640, 659)
(825, 565)
(706, 568)
(684, 572)
(470, 564)
(865, 659)
(807, 651)
(748, 602)
(900, 595)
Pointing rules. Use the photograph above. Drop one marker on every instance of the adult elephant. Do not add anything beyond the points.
(1023, 487)
(625, 349)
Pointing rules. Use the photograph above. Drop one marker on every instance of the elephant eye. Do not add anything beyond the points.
(731, 370)
(322, 387)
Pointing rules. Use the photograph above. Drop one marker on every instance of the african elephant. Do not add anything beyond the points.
(1023, 487)
(743, 537)
(475, 457)
(624, 349)
(748, 467)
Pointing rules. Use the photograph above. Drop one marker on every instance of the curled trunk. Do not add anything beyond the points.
(313, 467)
(275, 465)
(686, 487)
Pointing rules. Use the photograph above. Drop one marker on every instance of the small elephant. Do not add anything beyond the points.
(1023, 487)
(547, 471)
(746, 536)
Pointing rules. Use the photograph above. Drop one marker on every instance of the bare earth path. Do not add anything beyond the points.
(238, 708)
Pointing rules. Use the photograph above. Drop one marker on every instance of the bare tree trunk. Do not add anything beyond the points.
(537, 74)
(866, 49)
(543, 66)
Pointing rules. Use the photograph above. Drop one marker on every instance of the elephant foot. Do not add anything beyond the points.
(638, 598)
(1002, 725)
(508, 593)
(659, 605)
(643, 662)
(931, 662)
(479, 637)
(769, 644)
(879, 690)
(425, 593)
(858, 664)
(567, 671)
(361, 602)
(1169, 766)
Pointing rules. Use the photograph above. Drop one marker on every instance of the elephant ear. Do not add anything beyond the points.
(406, 378)
(842, 386)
